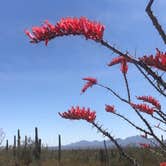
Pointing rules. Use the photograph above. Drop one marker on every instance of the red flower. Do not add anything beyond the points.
(116, 60)
(67, 26)
(32, 37)
(143, 107)
(157, 61)
(123, 61)
(144, 145)
(151, 100)
(163, 164)
(90, 79)
(77, 113)
(90, 82)
(124, 66)
(110, 108)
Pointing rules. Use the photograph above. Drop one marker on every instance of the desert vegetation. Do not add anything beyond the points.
(28, 153)
(151, 67)
(146, 107)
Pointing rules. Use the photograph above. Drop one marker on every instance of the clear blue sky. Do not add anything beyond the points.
(37, 82)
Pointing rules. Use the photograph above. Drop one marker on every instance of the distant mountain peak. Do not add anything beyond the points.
(129, 141)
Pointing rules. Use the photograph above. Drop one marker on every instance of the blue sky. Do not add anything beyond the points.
(37, 82)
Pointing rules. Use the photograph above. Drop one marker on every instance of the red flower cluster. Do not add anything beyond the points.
(163, 164)
(144, 145)
(67, 26)
(143, 108)
(157, 61)
(151, 100)
(123, 61)
(90, 82)
(110, 108)
(77, 113)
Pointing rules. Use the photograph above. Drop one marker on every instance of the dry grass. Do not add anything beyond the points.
(78, 158)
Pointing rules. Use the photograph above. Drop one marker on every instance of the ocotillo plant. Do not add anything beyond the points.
(149, 66)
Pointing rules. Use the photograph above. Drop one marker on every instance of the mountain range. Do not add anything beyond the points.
(132, 141)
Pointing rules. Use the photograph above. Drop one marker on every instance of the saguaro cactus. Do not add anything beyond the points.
(106, 153)
(162, 138)
(18, 138)
(36, 135)
(26, 142)
(39, 146)
(59, 149)
(7, 145)
(37, 149)
(14, 147)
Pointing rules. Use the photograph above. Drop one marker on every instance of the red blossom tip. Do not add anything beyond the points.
(110, 108)
(143, 108)
(67, 26)
(117, 60)
(77, 113)
(90, 82)
(151, 100)
(124, 67)
(90, 79)
(123, 61)
(158, 61)
(31, 36)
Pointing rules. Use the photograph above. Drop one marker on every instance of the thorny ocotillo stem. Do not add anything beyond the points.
(130, 122)
(158, 119)
(127, 87)
(150, 129)
(121, 151)
(135, 61)
(161, 114)
(138, 113)
(150, 81)
(155, 21)
(113, 92)
(160, 128)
